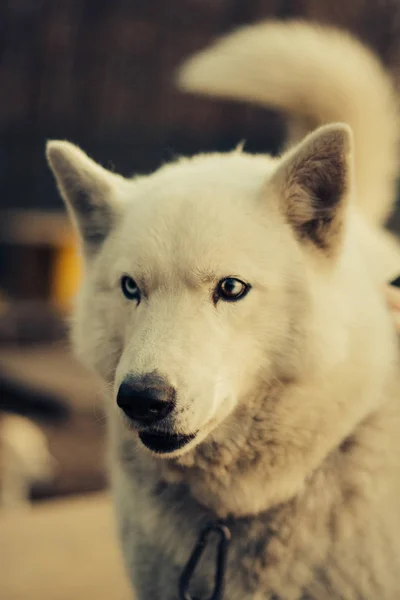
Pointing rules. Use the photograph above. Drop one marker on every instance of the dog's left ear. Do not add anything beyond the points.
(313, 183)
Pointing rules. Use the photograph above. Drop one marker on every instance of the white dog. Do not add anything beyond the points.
(232, 303)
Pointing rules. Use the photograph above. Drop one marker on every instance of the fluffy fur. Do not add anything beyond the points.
(318, 75)
(290, 392)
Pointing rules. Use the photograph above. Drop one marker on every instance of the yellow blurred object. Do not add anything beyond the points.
(66, 274)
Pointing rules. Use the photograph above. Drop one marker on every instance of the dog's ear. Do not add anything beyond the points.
(313, 184)
(87, 190)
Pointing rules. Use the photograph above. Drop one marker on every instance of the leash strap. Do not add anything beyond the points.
(222, 551)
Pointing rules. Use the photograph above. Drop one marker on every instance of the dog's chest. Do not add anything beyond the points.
(160, 526)
(285, 554)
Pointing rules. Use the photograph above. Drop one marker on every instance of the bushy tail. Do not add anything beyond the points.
(320, 75)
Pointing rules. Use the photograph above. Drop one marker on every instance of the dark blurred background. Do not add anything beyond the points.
(100, 74)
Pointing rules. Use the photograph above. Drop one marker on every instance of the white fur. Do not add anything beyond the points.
(276, 384)
(319, 75)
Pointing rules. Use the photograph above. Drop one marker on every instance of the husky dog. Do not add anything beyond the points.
(232, 304)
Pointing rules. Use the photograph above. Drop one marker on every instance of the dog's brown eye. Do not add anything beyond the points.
(130, 289)
(231, 289)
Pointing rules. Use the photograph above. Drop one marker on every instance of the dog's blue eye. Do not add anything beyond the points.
(231, 289)
(130, 289)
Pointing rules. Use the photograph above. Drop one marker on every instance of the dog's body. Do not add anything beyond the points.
(256, 316)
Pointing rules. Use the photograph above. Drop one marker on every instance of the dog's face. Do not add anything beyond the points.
(196, 278)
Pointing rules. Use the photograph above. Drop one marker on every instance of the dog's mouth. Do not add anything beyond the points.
(164, 443)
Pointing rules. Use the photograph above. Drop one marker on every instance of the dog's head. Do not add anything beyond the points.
(197, 278)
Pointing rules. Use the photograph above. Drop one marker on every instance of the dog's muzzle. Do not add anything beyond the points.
(149, 401)
(146, 400)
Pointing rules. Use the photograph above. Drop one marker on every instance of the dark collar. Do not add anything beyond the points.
(221, 528)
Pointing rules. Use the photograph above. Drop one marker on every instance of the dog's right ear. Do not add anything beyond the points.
(87, 190)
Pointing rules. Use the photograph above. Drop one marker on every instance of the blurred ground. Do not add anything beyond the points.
(61, 550)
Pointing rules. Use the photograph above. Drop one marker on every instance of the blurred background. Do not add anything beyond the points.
(99, 73)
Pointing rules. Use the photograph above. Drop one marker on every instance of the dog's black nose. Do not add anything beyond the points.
(146, 400)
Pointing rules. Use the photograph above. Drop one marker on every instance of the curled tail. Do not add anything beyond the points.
(320, 75)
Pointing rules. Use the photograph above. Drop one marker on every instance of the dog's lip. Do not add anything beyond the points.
(164, 443)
